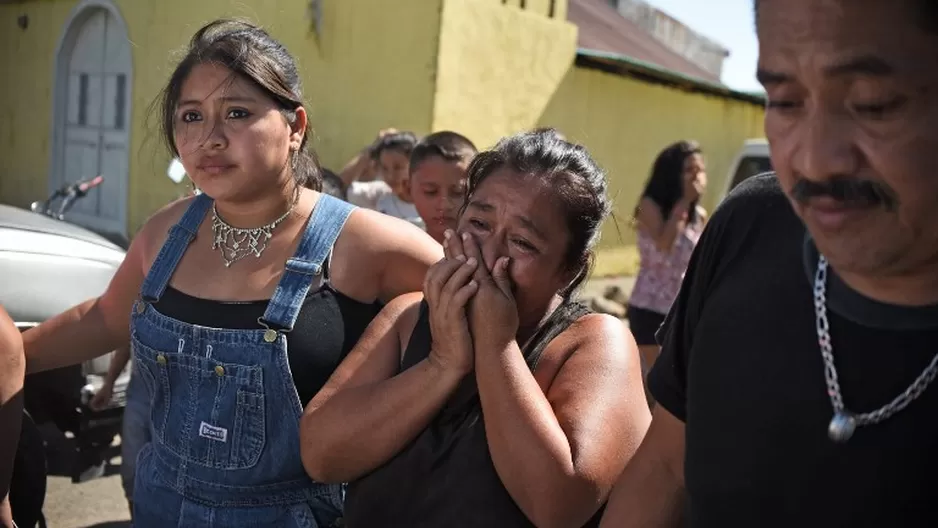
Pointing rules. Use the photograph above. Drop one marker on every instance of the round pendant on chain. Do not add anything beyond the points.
(842, 427)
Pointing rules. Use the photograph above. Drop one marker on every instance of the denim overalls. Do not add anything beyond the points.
(135, 429)
(224, 409)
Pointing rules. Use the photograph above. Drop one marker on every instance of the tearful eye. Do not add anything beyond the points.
(189, 117)
(524, 244)
(477, 223)
(237, 113)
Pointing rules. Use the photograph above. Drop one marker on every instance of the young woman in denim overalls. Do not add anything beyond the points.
(239, 302)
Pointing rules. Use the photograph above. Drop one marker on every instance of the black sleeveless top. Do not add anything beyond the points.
(327, 327)
(446, 477)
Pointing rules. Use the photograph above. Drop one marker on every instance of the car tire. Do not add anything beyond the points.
(28, 485)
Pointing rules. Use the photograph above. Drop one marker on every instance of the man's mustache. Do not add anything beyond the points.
(852, 192)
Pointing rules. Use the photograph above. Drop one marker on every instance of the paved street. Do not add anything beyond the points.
(98, 503)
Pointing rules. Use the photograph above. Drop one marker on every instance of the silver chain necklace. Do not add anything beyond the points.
(844, 423)
(235, 243)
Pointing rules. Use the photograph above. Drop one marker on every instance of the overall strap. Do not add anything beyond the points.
(322, 230)
(180, 236)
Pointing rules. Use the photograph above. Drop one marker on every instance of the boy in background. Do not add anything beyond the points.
(438, 166)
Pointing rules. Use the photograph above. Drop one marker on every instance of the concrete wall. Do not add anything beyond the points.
(626, 122)
(498, 67)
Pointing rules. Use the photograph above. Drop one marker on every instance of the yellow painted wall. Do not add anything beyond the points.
(26, 97)
(363, 73)
(541, 7)
(625, 122)
(481, 67)
(498, 67)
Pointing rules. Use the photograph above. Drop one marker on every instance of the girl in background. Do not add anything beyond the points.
(669, 222)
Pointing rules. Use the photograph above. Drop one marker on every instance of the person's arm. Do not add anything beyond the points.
(701, 215)
(94, 327)
(650, 491)
(118, 362)
(356, 167)
(558, 454)
(362, 162)
(12, 371)
(664, 231)
(367, 412)
(392, 255)
(410, 253)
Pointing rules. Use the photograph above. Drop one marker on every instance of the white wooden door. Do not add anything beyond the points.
(97, 121)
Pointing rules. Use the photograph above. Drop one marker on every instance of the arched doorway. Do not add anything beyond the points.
(92, 114)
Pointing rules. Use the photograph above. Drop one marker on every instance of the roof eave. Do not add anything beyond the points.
(627, 66)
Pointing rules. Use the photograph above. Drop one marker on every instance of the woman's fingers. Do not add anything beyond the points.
(447, 243)
(461, 298)
(453, 245)
(429, 275)
(472, 251)
(437, 276)
(459, 278)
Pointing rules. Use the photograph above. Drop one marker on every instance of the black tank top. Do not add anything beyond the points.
(327, 327)
(446, 477)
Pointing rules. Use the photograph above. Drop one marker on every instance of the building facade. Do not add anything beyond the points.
(79, 100)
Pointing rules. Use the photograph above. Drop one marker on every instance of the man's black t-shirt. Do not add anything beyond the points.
(741, 366)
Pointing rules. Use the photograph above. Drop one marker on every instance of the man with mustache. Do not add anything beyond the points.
(795, 383)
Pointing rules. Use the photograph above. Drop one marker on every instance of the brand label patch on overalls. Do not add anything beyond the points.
(218, 434)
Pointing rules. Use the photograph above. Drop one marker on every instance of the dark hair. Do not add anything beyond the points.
(403, 142)
(332, 184)
(665, 186)
(446, 144)
(926, 13)
(253, 55)
(554, 131)
(579, 183)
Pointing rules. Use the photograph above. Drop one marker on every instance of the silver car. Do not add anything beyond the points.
(47, 266)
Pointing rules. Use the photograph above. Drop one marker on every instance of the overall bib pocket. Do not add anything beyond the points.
(203, 410)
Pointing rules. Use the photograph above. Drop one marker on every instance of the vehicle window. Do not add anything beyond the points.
(749, 167)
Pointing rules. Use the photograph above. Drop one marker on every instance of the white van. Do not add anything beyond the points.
(752, 159)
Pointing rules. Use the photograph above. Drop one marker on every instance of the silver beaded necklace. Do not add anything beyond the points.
(235, 243)
(844, 423)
